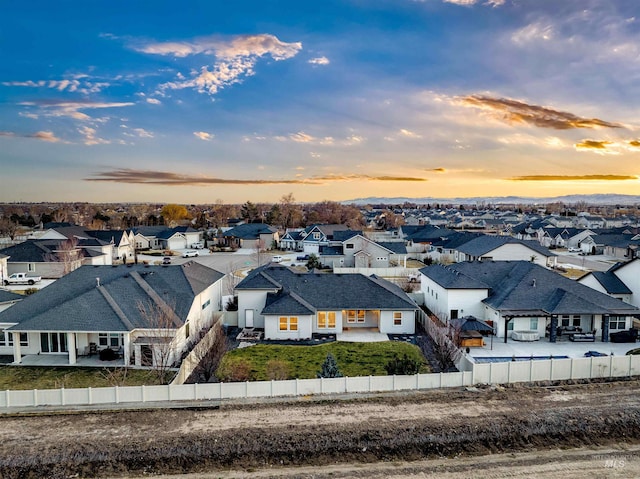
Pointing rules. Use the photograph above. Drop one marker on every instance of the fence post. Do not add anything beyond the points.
(8, 400)
(169, 392)
(509, 372)
(271, 392)
(551, 370)
(369, 382)
(490, 373)
(630, 366)
(246, 389)
(440, 386)
(35, 397)
(394, 383)
(117, 395)
(144, 394)
(62, 396)
(591, 368)
(321, 385)
(90, 395)
(418, 381)
(296, 386)
(571, 370)
(345, 384)
(195, 391)
(610, 366)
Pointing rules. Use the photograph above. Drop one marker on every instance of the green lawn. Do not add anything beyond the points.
(29, 377)
(304, 362)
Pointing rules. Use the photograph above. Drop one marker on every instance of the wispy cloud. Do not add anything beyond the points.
(438, 170)
(154, 101)
(90, 137)
(409, 134)
(319, 61)
(203, 135)
(48, 136)
(76, 84)
(517, 112)
(235, 58)
(574, 178)
(150, 177)
(72, 109)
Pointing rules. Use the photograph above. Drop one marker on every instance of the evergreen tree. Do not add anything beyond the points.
(330, 368)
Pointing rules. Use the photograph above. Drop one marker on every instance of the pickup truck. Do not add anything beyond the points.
(21, 278)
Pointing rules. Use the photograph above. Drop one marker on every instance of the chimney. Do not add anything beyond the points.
(97, 282)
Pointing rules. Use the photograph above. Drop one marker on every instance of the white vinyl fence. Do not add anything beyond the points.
(487, 373)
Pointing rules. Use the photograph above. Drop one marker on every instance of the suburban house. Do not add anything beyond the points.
(292, 305)
(323, 235)
(179, 237)
(562, 237)
(250, 236)
(502, 248)
(521, 296)
(139, 310)
(94, 250)
(123, 242)
(358, 251)
(621, 281)
(292, 240)
(47, 258)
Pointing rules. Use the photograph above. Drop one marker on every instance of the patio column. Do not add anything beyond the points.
(71, 346)
(126, 349)
(17, 355)
(605, 328)
(506, 327)
(553, 329)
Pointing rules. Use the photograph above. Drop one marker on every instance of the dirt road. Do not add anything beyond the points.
(432, 434)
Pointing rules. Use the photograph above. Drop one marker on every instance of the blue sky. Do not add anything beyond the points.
(195, 102)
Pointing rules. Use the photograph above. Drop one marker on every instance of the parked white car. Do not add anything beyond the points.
(277, 259)
(574, 250)
(198, 245)
(189, 254)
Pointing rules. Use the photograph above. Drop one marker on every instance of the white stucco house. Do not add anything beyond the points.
(521, 296)
(292, 305)
(116, 307)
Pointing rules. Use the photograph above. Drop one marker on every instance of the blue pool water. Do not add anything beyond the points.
(504, 359)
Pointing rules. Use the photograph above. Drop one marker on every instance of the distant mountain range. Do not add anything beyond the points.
(598, 199)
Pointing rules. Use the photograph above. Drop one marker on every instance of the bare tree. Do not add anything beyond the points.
(444, 344)
(163, 324)
(8, 228)
(208, 352)
(231, 278)
(66, 253)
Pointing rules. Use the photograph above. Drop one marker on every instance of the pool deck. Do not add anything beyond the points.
(543, 347)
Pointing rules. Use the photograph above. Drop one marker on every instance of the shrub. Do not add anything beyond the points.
(330, 368)
(277, 370)
(30, 291)
(403, 366)
(234, 370)
(232, 304)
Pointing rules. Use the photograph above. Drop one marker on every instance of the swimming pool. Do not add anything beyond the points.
(504, 359)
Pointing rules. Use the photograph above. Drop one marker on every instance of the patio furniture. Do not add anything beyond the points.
(93, 349)
(590, 336)
(525, 335)
(629, 336)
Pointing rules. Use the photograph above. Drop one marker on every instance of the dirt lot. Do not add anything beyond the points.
(550, 432)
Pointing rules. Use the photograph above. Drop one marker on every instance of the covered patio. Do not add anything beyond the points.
(63, 360)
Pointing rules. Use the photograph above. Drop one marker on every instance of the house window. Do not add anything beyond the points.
(617, 322)
(288, 323)
(510, 325)
(361, 315)
(533, 324)
(454, 314)
(6, 338)
(111, 340)
(53, 343)
(206, 304)
(351, 316)
(576, 320)
(380, 258)
(397, 318)
(564, 320)
(186, 330)
(316, 235)
(349, 245)
(31, 267)
(326, 319)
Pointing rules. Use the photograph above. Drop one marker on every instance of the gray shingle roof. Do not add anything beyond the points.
(526, 286)
(75, 303)
(7, 296)
(249, 231)
(328, 291)
(486, 243)
(611, 283)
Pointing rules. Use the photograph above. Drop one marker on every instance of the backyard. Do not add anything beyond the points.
(353, 359)
(29, 377)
